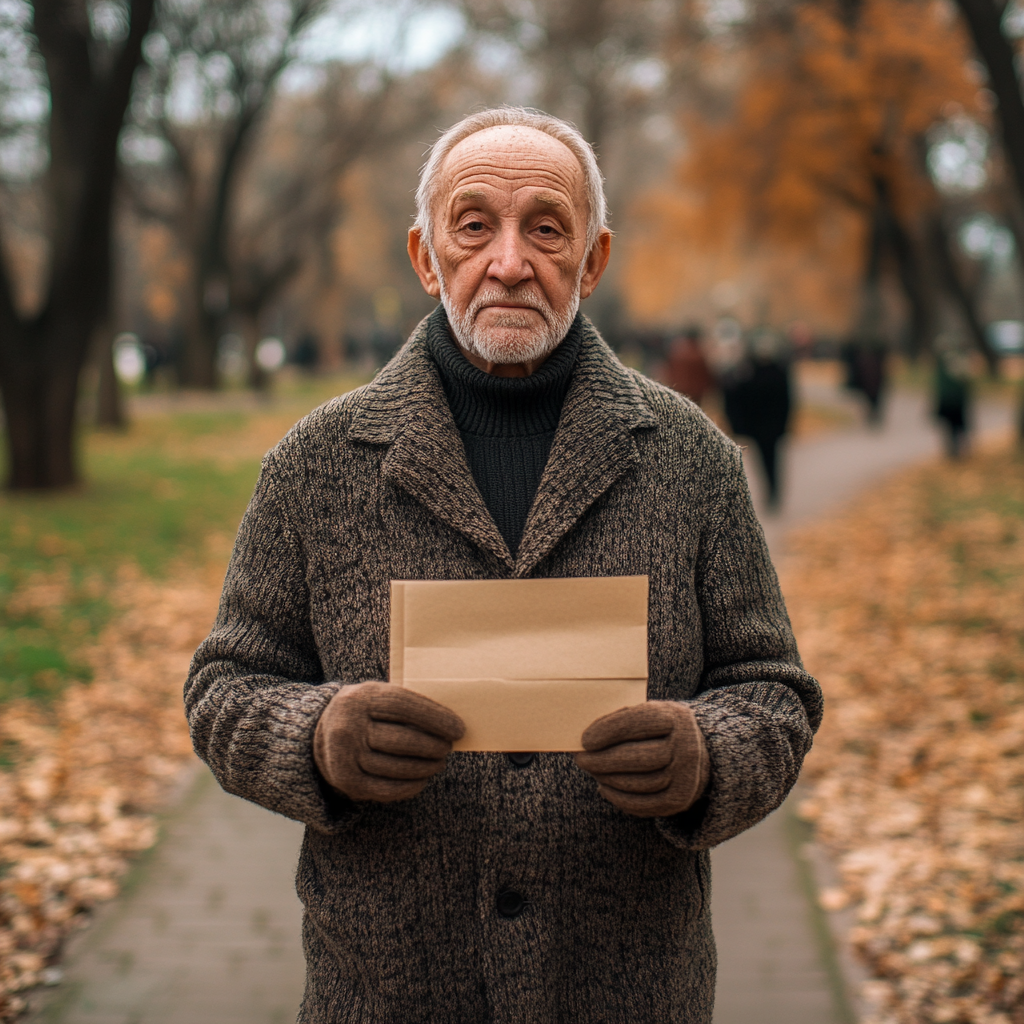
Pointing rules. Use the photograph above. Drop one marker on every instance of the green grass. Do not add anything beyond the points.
(61, 552)
(153, 497)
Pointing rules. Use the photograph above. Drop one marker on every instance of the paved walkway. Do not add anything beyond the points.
(209, 933)
(774, 966)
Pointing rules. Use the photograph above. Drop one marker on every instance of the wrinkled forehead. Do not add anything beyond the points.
(512, 156)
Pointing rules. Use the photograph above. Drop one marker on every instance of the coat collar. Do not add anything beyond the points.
(405, 408)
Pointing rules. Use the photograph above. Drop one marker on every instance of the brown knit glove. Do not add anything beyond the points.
(649, 760)
(377, 741)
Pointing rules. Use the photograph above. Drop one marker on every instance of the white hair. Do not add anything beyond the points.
(519, 117)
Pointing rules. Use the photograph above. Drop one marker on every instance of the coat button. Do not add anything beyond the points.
(521, 759)
(511, 903)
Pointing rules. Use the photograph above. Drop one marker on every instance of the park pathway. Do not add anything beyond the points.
(207, 931)
(776, 963)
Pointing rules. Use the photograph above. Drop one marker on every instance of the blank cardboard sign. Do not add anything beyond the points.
(526, 664)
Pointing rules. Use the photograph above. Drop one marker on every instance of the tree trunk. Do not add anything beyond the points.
(984, 21)
(868, 324)
(956, 288)
(41, 358)
(259, 379)
(199, 354)
(890, 234)
(109, 400)
(39, 395)
(908, 267)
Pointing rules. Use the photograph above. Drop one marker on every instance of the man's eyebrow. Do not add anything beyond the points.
(549, 199)
(469, 193)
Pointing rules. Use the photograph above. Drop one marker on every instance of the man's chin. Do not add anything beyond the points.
(506, 345)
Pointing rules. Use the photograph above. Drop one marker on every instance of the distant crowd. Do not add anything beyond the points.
(751, 371)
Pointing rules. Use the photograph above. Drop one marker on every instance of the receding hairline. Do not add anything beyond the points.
(506, 129)
(471, 193)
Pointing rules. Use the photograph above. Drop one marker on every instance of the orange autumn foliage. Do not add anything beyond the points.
(777, 196)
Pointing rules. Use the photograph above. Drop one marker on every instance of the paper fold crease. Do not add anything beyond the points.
(527, 664)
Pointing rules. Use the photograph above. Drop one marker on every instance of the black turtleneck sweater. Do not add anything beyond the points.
(507, 423)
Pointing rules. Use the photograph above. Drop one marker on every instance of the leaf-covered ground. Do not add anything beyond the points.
(909, 608)
(105, 593)
(88, 770)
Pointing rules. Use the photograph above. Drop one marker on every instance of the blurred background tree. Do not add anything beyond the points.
(997, 30)
(210, 74)
(822, 168)
(68, 72)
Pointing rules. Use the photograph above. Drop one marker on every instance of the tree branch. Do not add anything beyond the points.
(984, 20)
(946, 262)
(85, 268)
(213, 257)
(143, 206)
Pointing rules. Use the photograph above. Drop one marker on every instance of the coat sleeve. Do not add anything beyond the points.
(255, 687)
(758, 708)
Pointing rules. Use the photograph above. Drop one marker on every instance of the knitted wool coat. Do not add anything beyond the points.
(401, 925)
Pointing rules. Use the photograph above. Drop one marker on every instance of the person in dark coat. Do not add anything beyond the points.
(866, 372)
(307, 352)
(758, 403)
(952, 394)
(686, 368)
(504, 441)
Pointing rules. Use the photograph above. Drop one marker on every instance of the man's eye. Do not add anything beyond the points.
(475, 225)
(546, 229)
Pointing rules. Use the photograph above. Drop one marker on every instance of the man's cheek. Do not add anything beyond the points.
(455, 255)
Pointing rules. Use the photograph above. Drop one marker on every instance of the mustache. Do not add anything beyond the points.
(518, 296)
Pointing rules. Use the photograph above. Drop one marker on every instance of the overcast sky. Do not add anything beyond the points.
(407, 41)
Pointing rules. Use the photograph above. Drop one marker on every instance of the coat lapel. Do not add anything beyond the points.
(593, 447)
(405, 408)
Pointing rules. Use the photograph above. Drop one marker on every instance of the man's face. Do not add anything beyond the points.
(510, 221)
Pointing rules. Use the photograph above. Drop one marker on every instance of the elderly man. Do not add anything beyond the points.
(504, 441)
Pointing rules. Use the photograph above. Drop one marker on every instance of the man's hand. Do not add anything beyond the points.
(649, 760)
(378, 741)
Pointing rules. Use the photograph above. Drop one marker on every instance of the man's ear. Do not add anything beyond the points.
(419, 254)
(597, 261)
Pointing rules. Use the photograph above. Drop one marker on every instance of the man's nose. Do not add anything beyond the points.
(509, 263)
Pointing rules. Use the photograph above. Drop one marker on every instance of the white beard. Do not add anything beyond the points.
(514, 336)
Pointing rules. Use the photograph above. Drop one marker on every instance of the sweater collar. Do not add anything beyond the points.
(405, 409)
(490, 406)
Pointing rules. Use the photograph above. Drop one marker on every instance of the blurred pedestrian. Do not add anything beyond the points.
(686, 368)
(866, 372)
(306, 354)
(952, 393)
(730, 367)
(757, 395)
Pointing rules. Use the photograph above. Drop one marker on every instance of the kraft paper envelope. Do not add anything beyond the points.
(526, 664)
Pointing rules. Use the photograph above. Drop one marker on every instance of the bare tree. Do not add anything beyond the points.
(292, 203)
(986, 19)
(211, 74)
(89, 69)
(590, 61)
